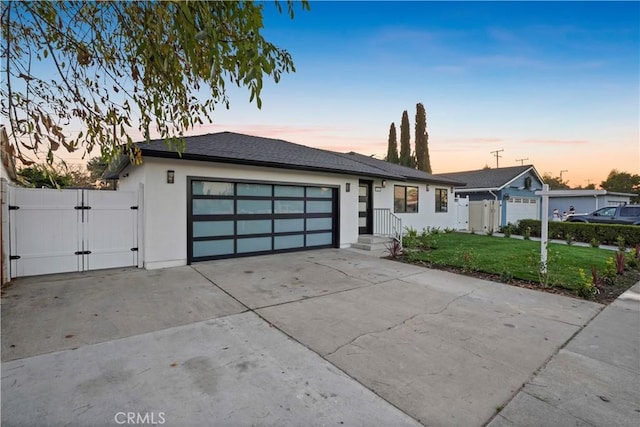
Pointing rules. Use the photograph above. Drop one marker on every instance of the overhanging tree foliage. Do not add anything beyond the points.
(423, 161)
(406, 157)
(622, 182)
(392, 149)
(555, 182)
(106, 67)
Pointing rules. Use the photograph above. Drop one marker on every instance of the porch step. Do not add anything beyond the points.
(372, 243)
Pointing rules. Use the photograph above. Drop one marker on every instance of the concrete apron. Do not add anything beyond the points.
(443, 348)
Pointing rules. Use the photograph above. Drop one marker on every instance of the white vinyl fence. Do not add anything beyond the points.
(59, 231)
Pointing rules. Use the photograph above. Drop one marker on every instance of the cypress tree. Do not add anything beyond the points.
(422, 140)
(392, 150)
(406, 159)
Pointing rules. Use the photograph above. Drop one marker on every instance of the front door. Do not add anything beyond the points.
(365, 211)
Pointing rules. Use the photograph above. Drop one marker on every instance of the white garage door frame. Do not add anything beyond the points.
(60, 231)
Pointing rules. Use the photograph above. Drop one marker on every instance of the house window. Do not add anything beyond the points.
(442, 197)
(405, 199)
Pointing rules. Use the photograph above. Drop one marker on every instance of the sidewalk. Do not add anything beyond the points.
(593, 381)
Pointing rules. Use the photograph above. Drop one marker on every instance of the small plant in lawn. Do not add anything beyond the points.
(449, 230)
(410, 238)
(631, 260)
(427, 239)
(473, 230)
(412, 255)
(620, 262)
(543, 269)
(395, 249)
(622, 247)
(595, 243)
(569, 239)
(490, 232)
(586, 288)
(468, 259)
(527, 233)
(610, 271)
(595, 279)
(507, 230)
(505, 275)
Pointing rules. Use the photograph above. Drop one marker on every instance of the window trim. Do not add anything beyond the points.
(406, 187)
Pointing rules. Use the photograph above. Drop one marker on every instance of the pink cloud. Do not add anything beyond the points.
(554, 142)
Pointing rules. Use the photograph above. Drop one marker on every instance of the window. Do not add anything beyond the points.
(442, 197)
(405, 199)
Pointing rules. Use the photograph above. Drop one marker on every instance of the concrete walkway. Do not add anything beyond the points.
(593, 381)
(325, 337)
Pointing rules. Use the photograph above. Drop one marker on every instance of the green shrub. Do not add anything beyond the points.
(586, 288)
(606, 234)
(595, 243)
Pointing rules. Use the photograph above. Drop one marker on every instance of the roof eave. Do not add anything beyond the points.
(197, 157)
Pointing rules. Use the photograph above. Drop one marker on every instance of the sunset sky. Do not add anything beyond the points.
(557, 83)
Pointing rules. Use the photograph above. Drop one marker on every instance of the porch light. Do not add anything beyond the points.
(347, 187)
(427, 187)
(171, 176)
(384, 183)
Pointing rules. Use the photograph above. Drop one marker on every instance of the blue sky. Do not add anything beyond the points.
(555, 82)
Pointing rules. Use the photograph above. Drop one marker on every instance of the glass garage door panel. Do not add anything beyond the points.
(248, 207)
(212, 207)
(213, 248)
(259, 226)
(288, 225)
(212, 228)
(319, 224)
(315, 206)
(254, 244)
(319, 239)
(288, 242)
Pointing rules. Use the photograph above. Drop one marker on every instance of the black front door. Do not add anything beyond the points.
(365, 211)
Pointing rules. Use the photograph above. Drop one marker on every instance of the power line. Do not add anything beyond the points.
(496, 153)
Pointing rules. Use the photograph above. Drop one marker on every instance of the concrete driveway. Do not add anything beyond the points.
(326, 337)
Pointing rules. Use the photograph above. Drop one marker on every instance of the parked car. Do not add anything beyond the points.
(624, 214)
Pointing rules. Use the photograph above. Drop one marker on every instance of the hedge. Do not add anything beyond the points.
(606, 234)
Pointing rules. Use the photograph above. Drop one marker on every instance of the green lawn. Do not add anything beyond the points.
(514, 257)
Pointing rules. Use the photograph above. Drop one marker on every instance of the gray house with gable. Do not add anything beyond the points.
(507, 194)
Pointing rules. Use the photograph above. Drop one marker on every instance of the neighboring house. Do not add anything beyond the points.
(586, 201)
(499, 196)
(229, 195)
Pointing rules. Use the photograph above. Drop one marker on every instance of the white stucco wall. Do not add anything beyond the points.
(165, 205)
(426, 215)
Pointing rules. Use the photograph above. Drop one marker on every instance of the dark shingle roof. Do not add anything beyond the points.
(229, 147)
(487, 178)
(408, 173)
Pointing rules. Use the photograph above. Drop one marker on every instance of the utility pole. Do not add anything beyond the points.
(521, 161)
(496, 153)
(564, 170)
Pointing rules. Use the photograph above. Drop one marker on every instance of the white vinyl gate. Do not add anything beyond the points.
(59, 231)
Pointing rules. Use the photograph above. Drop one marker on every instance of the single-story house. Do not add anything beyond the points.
(229, 195)
(586, 201)
(509, 193)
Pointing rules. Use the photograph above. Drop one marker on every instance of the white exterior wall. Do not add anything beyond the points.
(426, 215)
(165, 205)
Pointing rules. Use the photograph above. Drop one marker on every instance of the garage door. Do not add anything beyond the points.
(522, 208)
(232, 219)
